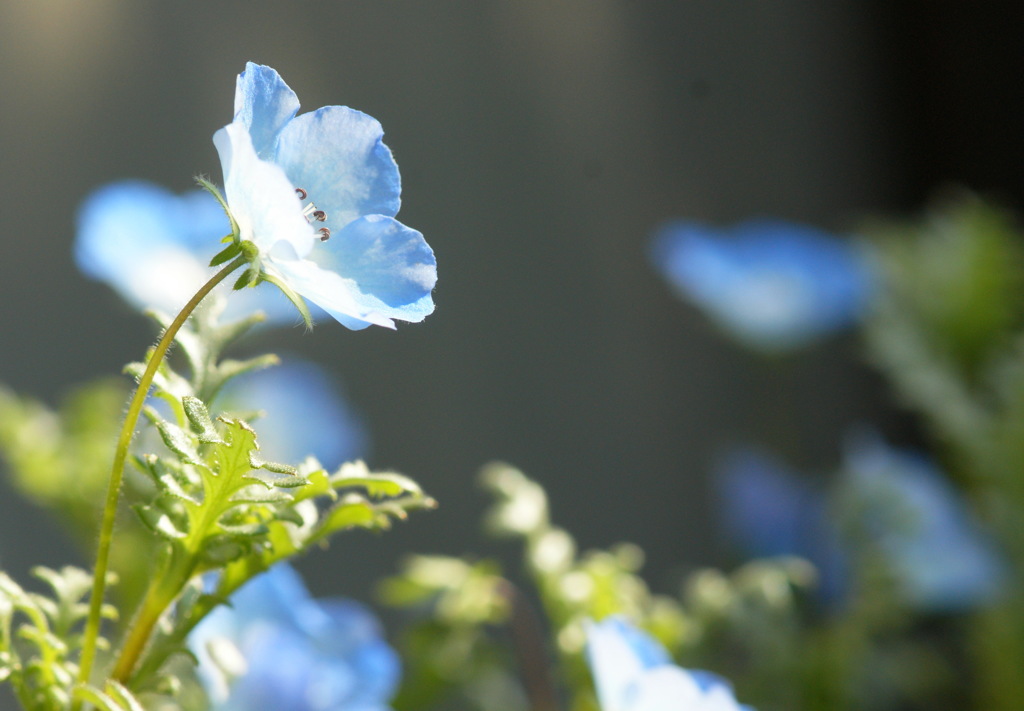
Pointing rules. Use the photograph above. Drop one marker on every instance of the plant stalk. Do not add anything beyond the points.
(106, 535)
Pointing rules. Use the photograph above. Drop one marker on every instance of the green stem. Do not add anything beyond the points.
(162, 592)
(92, 626)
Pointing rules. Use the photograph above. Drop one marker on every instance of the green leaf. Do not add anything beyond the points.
(173, 478)
(377, 484)
(257, 462)
(272, 479)
(123, 697)
(260, 494)
(212, 189)
(176, 440)
(159, 521)
(226, 254)
(199, 418)
(350, 513)
(297, 301)
(223, 549)
(248, 278)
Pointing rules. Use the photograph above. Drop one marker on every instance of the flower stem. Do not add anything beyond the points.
(92, 626)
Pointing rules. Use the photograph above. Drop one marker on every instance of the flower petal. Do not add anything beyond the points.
(392, 266)
(670, 687)
(338, 156)
(328, 290)
(262, 199)
(613, 662)
(264, 104)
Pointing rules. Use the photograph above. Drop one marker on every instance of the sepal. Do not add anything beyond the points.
(293, 296)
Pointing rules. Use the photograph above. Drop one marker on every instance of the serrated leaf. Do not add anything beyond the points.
(258, 462)
(376, 485)
(261, 494)
(271, 479)
(199, 417)
(221, 550)
(349, 514)
(318, 483)
(176, 440)
(172, 478)
(159, 522)
(244, 530)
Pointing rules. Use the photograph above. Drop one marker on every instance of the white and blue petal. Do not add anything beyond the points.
(263, 201)
(632, 672)
(338, 156)
(375, 270)
(263, 104)
(301, 654)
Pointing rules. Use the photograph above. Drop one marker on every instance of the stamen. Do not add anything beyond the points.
(325, 234)
(310, 211)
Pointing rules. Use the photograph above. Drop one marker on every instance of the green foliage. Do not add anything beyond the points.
(458, 650)
(61, 459)
(205, 501)
(948, 332)
(40, 637)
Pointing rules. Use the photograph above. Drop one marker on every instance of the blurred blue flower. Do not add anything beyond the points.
(153, 247)
(283, 173)
(939, 556)
(300, 654)
(770, 511)
(771, 284)
(632, 672)
(304, 414)
(887, 502)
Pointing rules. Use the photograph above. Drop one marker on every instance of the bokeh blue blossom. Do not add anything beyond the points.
(938, 554)
(632, 672)
(890, 501)
(153, 247)
(283, 173)
(773, 285)
(768, 511)
(275, 647)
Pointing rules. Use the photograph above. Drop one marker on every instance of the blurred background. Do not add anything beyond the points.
(540, 142)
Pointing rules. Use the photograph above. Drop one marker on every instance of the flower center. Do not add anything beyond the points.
(312, 214)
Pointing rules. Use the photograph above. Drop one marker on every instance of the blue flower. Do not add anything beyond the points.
(153, 248)
(891, 504)
(769, 511)
(293, 181)
(305, 414)
(773, 285)
(940, 558)
(299, 654)
(632, 672)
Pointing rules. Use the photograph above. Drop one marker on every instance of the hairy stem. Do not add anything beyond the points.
(92, 626)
